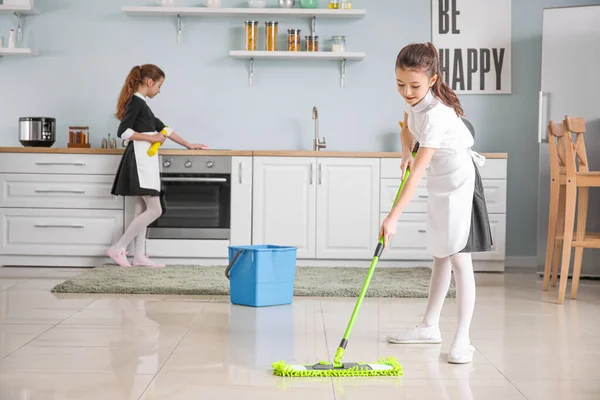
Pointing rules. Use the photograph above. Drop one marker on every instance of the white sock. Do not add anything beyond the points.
(140, 223)
(464, 277)
(438, 289)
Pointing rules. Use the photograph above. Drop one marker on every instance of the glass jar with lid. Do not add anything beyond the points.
(346, 5)
(338, 43)
(271, 28)
(293, 39)
(251, 35)
(334, 4)
(312, 43)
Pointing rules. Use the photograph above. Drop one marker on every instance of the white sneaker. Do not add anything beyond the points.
(416, 335)
(461, 355)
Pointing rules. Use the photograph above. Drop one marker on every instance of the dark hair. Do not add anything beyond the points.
(137, 76)
(423, 57)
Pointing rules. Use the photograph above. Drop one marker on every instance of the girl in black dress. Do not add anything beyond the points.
(139, 174)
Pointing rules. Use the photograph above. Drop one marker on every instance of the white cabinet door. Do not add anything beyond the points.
(498, 252)
(53, 232)
(241, 201)
(284, 199)
(347, 208)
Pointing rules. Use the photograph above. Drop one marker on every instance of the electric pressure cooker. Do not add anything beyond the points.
(37, 131)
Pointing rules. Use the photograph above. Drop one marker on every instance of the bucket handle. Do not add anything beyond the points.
(228, 269)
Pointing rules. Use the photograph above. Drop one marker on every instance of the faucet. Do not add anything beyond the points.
(318, 144)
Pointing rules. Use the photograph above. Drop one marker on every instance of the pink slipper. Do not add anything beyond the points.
(146, 262)
(119, 256)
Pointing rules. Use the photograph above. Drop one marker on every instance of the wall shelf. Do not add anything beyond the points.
(228, 12)
(25, 10)
(179, 12)
(297, 55)
(17, 52)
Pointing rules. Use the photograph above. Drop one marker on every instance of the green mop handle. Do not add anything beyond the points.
(337, 361)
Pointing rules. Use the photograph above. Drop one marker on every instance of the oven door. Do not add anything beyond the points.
(195, 206)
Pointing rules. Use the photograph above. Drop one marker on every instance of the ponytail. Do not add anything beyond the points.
(136, 77)
(424, 57)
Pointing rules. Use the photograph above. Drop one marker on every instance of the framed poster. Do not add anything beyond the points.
(473, 38)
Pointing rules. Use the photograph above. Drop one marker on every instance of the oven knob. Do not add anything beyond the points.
(167, 164)
(210, 164)
(188, 164)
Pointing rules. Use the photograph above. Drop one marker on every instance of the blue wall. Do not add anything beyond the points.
(87, 48)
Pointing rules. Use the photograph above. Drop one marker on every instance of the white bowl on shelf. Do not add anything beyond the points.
(257, 3)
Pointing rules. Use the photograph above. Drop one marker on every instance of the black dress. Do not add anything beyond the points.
(138, 118)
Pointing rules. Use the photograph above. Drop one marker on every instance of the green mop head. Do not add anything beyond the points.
(387, 366)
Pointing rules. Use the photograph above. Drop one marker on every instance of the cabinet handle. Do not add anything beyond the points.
(240, 168)
(78, 163)
(77, 226)
(59, 191)
(422, 230)
(320, 173)
(423, 196)
(312, 166)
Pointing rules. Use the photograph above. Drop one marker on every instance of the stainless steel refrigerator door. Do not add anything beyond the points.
(570, 86)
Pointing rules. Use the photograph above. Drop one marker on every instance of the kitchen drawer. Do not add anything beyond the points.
(38, 163)
(389, 189)
(410, 241)
(492, 169)
(58, 232)
(498, 252)
(494, 189)
(58, 191)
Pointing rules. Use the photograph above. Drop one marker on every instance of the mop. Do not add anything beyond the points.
(386, 366)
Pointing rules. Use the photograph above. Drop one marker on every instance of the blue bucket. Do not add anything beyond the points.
(261, 275)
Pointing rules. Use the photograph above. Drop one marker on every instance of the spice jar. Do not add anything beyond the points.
(338, 43)
(293, 39)
(346, 5)
(271, 28)
(334, 4)
(312, 43)
(251, 35)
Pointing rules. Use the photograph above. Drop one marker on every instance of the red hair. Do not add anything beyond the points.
(423, 57)
(136, 77)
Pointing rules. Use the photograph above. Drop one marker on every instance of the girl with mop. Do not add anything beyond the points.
(457, 218)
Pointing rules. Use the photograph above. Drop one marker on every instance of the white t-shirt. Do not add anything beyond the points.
(435, 125)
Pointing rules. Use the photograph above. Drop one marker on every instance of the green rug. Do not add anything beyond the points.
(200, 280)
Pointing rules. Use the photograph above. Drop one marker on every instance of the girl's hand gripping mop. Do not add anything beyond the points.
(386, 366)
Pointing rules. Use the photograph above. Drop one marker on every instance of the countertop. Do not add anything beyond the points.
(257, 153)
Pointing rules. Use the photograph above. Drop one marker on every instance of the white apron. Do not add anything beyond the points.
(148, 168)
(450, 185)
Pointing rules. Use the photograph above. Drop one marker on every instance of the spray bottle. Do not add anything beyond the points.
(154, 148)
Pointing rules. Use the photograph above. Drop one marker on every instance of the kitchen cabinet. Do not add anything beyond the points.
(241, 201)
(326, 207)
(284, 203)
(347, 208)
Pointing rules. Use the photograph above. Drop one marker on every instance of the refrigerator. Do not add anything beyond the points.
(570, 85)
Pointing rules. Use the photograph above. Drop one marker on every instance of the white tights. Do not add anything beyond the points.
(147, 209)
(462, 265)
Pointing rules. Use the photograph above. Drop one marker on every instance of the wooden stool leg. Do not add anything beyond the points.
(570, 202)
(582, 211)
(560, 227)
(552, 220)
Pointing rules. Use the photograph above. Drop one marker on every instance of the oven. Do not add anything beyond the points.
(195, 198)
